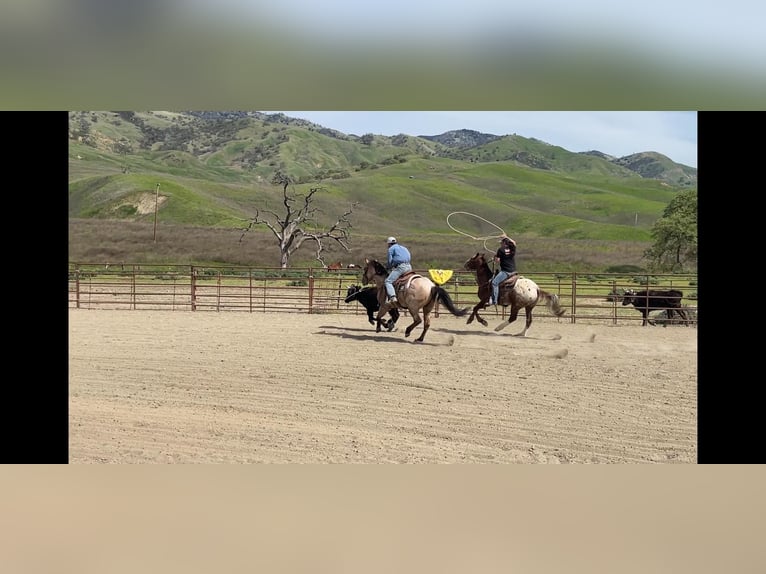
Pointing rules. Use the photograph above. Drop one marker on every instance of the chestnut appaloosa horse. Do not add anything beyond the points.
(516, 291)
(414, 292)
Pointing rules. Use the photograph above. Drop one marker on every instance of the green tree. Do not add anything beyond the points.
(675, 235)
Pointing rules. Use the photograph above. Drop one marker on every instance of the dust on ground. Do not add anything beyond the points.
(237, 387)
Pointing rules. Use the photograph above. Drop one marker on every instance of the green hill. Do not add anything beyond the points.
(212, 170)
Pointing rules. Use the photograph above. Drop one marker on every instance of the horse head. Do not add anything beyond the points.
(372, 267)
(369, 271)
(476, 262)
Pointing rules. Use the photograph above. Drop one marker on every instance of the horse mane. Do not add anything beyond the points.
(485, 265)
(379, 268)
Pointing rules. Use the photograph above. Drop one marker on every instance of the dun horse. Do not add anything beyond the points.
(516, 291)
(414, 293)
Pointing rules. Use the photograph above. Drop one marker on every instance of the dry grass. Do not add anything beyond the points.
(116, 241)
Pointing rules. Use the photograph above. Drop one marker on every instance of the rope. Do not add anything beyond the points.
(485, 238)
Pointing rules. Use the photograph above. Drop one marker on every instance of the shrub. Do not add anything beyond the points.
(615, 295)
(645, 280)
(626, 269)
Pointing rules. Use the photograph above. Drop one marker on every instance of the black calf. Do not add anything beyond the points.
(368, 297)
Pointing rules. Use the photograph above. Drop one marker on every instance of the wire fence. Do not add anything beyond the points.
(585, 297)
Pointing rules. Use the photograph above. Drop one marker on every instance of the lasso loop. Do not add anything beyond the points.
(484, 238)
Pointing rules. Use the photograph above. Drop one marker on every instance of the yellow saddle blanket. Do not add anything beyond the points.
(440, 276)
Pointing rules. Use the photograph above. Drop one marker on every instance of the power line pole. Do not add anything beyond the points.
(156, 204)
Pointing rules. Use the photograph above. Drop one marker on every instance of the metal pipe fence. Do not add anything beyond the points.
(585, 297)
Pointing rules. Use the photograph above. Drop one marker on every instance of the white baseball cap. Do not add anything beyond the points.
(391, 240)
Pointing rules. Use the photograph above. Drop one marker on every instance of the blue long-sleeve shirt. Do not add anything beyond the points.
(397, 254)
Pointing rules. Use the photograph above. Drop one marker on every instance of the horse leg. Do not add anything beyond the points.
(416, 320)
(482, 305)
(426, 325)
(528, 311)
(511, 319)
(379, 319)
(394, 313)
(475, 313)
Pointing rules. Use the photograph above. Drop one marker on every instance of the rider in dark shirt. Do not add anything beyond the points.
(506, 257)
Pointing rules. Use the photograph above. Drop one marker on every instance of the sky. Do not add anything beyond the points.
(729, 31)
(673, 134)
(393, 55)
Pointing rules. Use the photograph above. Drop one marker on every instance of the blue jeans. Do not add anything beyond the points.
(393, 275)
(499, 278)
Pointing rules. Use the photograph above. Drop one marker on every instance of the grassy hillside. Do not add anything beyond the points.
(201, 173)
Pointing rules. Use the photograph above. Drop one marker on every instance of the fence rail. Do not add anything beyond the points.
(586, 297)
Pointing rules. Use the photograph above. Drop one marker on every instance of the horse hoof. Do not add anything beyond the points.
(484, 323)
(501, 326)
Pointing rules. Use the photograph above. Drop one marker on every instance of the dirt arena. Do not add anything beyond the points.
(235, 387)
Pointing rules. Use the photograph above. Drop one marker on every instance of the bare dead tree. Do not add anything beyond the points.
(292, 228)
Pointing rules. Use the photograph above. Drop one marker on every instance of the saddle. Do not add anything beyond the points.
(403, 281)
(510, 282)
(506, 287)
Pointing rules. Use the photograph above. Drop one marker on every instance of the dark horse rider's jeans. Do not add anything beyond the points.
(499, 278)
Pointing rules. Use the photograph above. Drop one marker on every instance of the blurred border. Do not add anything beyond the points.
(166, 54)
(663, 518)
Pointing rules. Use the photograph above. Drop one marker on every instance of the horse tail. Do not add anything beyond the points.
(553, 303)
(442, 295)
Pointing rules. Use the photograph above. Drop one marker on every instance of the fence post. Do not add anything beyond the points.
(311, 290)
(574, 297)
(193, 273)
(133, 288)
(218, 293)
(77, 285)
(250, 289)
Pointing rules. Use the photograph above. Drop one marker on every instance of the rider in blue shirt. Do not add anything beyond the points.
(399, 262)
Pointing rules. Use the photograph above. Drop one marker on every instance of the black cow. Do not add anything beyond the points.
(368, 297)
(646, 301)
